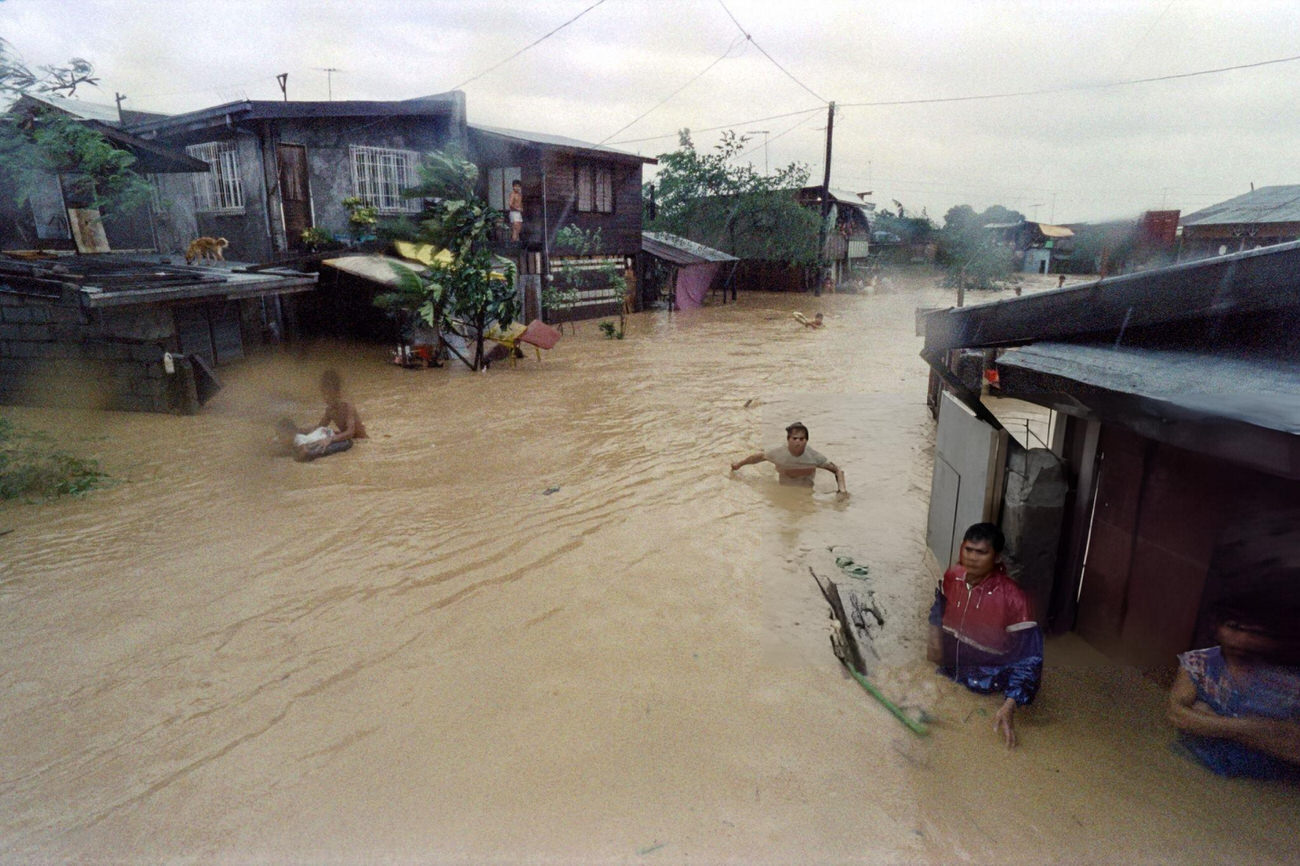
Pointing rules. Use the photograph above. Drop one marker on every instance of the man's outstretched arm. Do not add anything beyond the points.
(839, 476)
(748, 461)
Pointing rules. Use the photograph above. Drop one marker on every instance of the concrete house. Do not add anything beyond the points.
(278, 168)
(1174, 447)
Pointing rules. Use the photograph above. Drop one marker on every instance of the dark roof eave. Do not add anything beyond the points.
(247, 110)
(1258, 280)
(1242, 437)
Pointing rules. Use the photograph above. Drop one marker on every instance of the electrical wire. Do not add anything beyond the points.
(748, 36)
(749, 122)
(732, 47)
(1069, 88)
(540, 39)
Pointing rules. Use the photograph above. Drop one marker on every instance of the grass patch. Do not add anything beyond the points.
(33, 467)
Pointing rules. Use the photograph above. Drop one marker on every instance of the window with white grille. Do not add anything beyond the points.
(379, 175)
(595, 189)
(220, 190)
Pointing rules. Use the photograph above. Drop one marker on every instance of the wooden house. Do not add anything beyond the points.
(566, 184)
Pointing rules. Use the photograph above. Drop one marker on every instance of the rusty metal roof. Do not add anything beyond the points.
(115, 279)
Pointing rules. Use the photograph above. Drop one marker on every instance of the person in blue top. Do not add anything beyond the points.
(1237, 705)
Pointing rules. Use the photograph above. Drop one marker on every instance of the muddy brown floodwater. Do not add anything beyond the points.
(535, 619)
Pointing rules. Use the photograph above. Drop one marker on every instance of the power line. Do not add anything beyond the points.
(1070, 88)
(765, 54)
(542, 38)
(693, 78)
(749, 122)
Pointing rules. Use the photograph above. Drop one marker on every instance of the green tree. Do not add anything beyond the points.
(711, 199)
(465, 296)
(17, 78)
(969, 251)
(43, 142)
(609, 276)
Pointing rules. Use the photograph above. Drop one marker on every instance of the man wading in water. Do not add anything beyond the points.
(795, 462)
(982, 633)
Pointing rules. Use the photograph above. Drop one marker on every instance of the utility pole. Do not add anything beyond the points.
(826, 201)
(119, 97)
(283, 80)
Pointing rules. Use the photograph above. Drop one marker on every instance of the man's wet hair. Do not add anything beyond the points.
(286, 426)
(331, 381)
(789, 431)
(986, 532)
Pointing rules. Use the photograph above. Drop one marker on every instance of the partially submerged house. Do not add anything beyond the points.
(83, 326)
(1264, 216)
(566, 183)
(130, 332)
(1175, 444)
(680, 270)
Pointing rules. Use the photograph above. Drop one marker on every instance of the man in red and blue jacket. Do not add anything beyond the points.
(982, 632)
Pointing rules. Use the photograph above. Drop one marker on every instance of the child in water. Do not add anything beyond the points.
(323, 440)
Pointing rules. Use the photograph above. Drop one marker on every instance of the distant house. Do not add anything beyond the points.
(848, 236)
(1268, 215)
(1036, 245)
(1174, 397)
(279, 168)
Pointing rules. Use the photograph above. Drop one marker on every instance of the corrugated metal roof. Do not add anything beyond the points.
(557, 141)
(75, 107)
(1264, 392)
(681, 251)
(1268, 204)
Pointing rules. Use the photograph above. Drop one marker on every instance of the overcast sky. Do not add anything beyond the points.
(1092, 152)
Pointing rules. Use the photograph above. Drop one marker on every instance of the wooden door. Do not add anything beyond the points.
(295, 198)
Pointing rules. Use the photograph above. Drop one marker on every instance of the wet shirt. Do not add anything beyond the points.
(991, 642)
(785, 461)
(1270, 691)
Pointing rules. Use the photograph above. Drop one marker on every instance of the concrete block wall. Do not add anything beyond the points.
(52, 353)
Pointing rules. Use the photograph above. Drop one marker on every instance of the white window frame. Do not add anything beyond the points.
(379, 174)
(595, 189)
(220, 190)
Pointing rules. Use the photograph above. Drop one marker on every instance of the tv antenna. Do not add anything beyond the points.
(329, 78)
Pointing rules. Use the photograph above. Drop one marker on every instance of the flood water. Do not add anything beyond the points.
(534, 618)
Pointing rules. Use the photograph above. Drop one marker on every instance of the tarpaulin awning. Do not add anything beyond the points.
(1055, 231)
(376, 268)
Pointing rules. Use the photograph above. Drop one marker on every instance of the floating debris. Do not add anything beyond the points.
(548, 491)
(851, 568)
